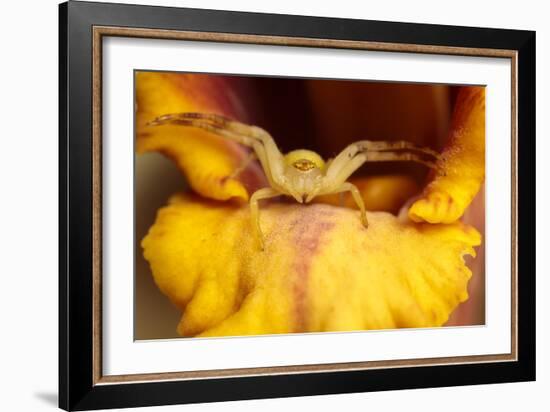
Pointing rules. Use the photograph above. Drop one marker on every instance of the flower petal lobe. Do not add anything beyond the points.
(209, 162)
(461, 169)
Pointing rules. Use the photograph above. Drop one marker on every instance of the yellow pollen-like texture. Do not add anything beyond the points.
(460, 170)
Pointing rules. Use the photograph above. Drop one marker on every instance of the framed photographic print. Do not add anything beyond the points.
(257, 205)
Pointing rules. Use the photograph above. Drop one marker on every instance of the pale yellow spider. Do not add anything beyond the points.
(301, 174)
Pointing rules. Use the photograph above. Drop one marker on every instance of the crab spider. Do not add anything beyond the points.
(301, 174)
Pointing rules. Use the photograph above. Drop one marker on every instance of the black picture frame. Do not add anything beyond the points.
(77, 387)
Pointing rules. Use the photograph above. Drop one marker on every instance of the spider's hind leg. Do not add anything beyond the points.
(242, 167)
(350, 187)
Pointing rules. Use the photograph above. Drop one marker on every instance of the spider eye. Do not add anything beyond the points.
(304, 165)
(304, 160)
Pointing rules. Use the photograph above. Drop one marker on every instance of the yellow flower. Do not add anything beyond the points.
(321, 270)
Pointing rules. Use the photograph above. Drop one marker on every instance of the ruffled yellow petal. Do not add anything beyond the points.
(461, 168)
(321, 270)
(208, 161)
(380, 193)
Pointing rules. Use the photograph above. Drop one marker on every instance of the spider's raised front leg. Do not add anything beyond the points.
(255, 137)
(265, 193)
(356, 154)
(383, 146)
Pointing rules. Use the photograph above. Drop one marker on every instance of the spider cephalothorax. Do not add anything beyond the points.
(301, 174)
